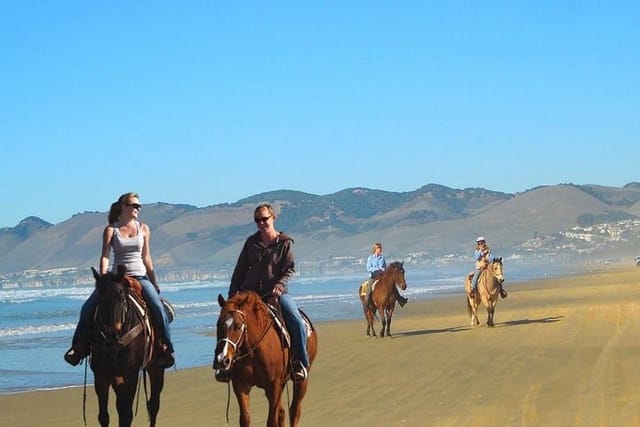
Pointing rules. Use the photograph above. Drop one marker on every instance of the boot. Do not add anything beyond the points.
(78, 351)
(402, 300)
(73, 357)
(165, 358)
(503, 293)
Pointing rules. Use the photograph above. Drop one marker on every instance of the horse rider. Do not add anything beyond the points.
(483, 257)
(264, 266)
(376, 264)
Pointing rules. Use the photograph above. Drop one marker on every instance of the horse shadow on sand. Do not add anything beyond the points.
(550, 319)
(429, 332)
(521, 322)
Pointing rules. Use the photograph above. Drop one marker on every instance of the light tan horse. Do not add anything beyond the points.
(383, 297)
(489, 285)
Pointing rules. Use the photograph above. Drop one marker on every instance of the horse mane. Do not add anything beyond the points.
(242, 300)
(395, 264)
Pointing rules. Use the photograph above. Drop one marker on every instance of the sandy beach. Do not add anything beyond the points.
(564, 352)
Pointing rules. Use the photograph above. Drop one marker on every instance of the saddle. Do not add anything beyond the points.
(281, 328)
(363, 287)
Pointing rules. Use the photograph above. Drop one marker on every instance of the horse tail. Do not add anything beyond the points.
(469, 308)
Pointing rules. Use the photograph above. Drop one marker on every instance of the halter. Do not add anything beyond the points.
(243, 330)
(132, 333)
(238, 342)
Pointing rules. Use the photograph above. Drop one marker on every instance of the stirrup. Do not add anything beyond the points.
(300, 372)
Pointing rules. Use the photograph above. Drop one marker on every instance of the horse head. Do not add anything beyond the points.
(396, 271)
(112, 303)
(231, 330)
(496, 269)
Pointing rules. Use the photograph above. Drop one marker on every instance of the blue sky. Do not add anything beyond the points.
(207, 102)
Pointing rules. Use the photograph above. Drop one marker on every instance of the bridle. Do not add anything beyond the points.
(243, 330)
(124, 306)
(239, 341)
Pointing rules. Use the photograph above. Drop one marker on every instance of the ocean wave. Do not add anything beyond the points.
(35, 329)
(20, 296)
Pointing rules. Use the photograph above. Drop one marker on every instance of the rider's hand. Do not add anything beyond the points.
(278, 290)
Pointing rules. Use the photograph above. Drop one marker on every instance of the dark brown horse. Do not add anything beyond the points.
(251, 351)
(383, 298)
(121, 347)
(489, 285)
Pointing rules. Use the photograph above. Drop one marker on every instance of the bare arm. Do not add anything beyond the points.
(146, 256)
(107, 235)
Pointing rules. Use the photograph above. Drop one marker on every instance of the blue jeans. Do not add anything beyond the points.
(295, 325)
(474, 281)
(150, 295)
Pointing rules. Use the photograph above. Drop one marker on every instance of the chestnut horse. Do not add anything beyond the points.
(251, 350)
(489, 285)
(383, 298)
(121, 346)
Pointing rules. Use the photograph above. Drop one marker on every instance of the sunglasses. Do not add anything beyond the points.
(263, 219)
(134, 205)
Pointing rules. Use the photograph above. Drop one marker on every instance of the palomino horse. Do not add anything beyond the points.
(121, 346)
(489, 285)
(251, 350)
(383, 298)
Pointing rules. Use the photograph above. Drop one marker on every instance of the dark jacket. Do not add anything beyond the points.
(260, 268)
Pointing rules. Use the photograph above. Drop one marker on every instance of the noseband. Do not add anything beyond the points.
(243, 330)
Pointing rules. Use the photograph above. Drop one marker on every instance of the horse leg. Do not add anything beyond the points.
(295, 410)
(156, 381)
(102, 390)
(389, 316)
(383, 320)
(125, 394)
(490, 310)
(276, 411)
(472, 309)
(370, 320)
(242, 396)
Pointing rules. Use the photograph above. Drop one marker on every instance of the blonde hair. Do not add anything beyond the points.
(116, 207)
(375, 246)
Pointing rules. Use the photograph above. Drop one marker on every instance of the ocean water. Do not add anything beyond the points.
(36, 325)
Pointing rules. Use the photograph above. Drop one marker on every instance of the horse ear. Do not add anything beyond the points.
(96, 275)
(221, 300)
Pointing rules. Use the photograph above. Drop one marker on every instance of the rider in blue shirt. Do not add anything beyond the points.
(376, 264)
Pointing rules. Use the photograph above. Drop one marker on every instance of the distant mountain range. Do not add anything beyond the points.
(430, 222)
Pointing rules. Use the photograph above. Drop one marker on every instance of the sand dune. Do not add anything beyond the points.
(564, 352)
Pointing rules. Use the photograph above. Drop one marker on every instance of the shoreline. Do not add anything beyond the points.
(414, 299)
